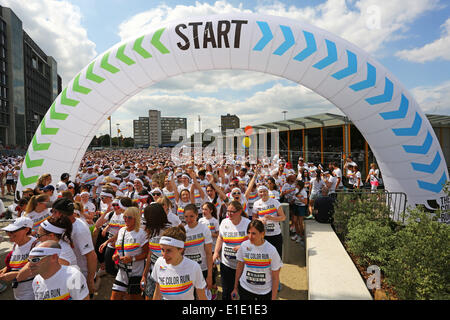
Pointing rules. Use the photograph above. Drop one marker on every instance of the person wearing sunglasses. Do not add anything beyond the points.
(131, 250)
(19, 232)
(54, 281)
(115, 222)
(232, 232)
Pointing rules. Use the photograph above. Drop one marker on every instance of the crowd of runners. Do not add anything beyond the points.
(163, 229)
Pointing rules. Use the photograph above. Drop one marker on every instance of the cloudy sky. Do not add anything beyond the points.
(411, 38)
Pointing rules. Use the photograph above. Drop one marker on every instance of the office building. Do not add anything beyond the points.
(141, 132)
(29, 82)
(229, 122)
(154, 126)
(168, 126)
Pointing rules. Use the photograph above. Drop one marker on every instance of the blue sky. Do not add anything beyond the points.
(412, 40)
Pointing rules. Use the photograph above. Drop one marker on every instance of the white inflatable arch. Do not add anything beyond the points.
(387, 115)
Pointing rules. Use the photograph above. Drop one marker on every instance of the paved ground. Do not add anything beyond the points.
(293, 276)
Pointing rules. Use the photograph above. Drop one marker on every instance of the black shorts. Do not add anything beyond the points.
(10, 182)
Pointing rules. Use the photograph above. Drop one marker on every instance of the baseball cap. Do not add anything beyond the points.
(19, 223)
(63, 204)
(48, 188)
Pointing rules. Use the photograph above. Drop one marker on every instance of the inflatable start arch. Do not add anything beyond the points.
(398, 132)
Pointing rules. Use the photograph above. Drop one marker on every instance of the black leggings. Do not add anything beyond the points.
(247, 295)
(227, 276)
(277, 242)
(110, 265)
(100, 240)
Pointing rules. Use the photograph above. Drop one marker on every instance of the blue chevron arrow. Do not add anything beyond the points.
(331, 58)
(412, 131)
(289, 41)
(386, 96)
(400, 113)
(266, 38)
(423, 149)
(311, 47)
(370, 79)
(352, 67)
(433, 187)
(428, 168)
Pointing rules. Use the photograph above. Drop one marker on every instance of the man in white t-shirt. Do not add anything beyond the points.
(54, 281)
(82, 241)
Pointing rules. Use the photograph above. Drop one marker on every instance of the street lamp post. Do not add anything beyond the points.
(118, 131)
(284, 115)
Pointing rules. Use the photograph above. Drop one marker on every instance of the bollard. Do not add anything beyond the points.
(285, 233)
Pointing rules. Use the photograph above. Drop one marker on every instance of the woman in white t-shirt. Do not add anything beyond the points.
(316, 185)
(232, 232)
(273, 189)
(270, 213)
(132, 249)
(156, 223)
(176, 276)
(37, 210)
(258, 267)
(301, 201)
(198, 244)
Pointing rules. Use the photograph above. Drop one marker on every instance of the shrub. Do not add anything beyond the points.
(419, 265)
(370, 240)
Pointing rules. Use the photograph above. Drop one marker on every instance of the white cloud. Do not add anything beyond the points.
(56, 28)
(438, 49)
(434, 99)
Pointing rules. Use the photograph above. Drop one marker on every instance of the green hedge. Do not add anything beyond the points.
(414, 258)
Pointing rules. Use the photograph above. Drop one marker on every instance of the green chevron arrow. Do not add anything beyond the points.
(67, 101)
(79, 88)
(39, 146)
(56, 115)
(47, 131)
(33, 163)
(123, 57)
(105, 65)
(157, 43)
(26, 181)
(138, 48)
(90, 75)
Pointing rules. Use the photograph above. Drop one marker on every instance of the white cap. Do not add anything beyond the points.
(19, 223)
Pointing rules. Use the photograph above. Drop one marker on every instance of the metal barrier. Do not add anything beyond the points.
(287, 244)
(395, 201)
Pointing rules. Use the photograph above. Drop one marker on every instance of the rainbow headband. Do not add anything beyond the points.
(171, 242)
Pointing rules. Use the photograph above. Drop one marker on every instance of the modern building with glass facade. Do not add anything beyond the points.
(141, 132)
(168, 126)
(328, 137)
(29, 82)
(229, 121)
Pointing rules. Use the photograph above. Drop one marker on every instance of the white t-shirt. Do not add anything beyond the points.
(178, 282)
(232, 236)
(333, 181)
(82, 242)
(302, 195)
(38, 218)
(19, 259)
(290, 189)
(338, 174)
(180, 209)
(259, 262)
(316, 185)
(115, 224)
(171, 196)
(194, 246)
(61, 186)
(213, 226)
(374, 174)
(155, 248)
(270, 207)
(66, 284)
(274, 194)
(173, 219)
(67, 253)
(131, 245)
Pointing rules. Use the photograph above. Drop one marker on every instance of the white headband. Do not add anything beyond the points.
(43, 251)
(262, 188)
(52, 228)
(236, 189)
(172, 242)
(84, 192)
(139, 181)
(106, 194)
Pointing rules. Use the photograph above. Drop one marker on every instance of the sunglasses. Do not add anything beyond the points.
(231, 211)
(128, 217)
(156, 194)
(115, 205)
(37, 259)
(38, 236)
(236, 193)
